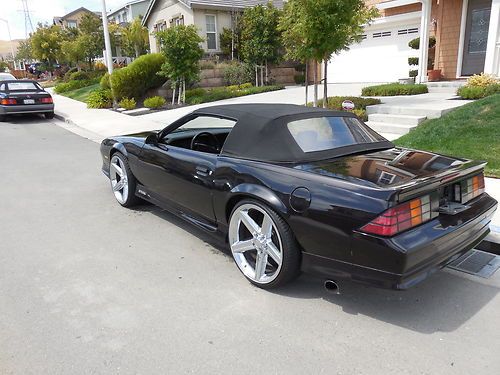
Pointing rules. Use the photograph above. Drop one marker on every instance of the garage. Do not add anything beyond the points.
(382, 55)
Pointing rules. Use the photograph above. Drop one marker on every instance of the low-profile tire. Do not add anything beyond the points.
(123, 182)
(259, 236)
(49, 115)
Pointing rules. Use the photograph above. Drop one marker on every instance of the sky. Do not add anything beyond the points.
(43, 11)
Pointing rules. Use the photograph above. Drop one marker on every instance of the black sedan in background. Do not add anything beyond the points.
(23, 97)
(294, 188)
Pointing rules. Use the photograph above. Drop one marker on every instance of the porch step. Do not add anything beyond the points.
(393, 130)
(396, 119)
(408, 111)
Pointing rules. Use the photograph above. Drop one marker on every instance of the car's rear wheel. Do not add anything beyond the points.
(263, 245)
(123, 182)
(49, 115)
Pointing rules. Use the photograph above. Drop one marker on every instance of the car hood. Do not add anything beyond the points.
(388, 168)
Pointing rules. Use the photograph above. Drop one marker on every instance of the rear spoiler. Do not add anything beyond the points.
(427, 184)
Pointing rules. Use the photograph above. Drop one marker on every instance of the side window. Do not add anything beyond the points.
(202, 133)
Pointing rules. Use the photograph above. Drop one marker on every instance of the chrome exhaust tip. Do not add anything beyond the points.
(332, 287)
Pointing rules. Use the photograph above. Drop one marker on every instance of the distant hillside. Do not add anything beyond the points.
(5, 46)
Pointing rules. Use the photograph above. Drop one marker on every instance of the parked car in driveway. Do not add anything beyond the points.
(23, 97)
(294, 188)
(7, 77)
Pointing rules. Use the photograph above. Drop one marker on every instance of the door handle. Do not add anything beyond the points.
(203, 171)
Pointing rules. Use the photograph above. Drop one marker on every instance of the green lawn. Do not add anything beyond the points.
(471, 131)
(81, 94)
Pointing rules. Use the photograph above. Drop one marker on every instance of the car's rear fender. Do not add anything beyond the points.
(261, 193)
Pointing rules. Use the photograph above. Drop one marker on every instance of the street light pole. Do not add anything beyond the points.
(10, 40)
(107, 41)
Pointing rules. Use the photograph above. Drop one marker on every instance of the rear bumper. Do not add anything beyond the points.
(28, 108)
(411, 256)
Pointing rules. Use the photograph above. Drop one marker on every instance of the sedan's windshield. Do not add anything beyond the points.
(325, 133)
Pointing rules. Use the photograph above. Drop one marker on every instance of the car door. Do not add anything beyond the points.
(180, 176)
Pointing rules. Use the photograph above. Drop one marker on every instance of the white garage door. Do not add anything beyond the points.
(382, 56)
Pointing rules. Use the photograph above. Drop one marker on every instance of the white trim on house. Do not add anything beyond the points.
(423, 51)
(461, 40)
(396, 19)
(492, 60)
(395, 4)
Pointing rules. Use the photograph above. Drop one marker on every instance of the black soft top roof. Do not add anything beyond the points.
(261, 132)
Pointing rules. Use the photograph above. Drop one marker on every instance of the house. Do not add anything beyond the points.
(72, 19)
(210, 17)
(127, 12)
(467, 36)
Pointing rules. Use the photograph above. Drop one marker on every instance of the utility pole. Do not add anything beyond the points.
(10, 42)
(107, 41)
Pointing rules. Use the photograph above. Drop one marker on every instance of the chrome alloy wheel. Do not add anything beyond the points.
(255, 243)
(119, 179)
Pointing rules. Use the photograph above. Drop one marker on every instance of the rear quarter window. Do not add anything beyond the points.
(326, 133)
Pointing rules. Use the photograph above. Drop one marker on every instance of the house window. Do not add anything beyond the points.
(72, 24)
(211, 32)
(382, 34)
(413, 30)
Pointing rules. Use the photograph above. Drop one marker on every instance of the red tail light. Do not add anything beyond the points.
(400, 218)
(46, 100)
(8, 101)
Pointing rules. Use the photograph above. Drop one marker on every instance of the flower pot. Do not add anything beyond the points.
(434, 75)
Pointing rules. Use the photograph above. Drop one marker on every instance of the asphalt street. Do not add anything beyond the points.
(88, 287)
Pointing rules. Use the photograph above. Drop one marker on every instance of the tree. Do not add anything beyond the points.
(260, 37)
(181, 47)
(317, 29)
(91, 37)
(230, 38)
(136, 36)
(46, 44)
(73, 51)
(24, 51)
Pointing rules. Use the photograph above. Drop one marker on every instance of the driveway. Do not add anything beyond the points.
(87, 287)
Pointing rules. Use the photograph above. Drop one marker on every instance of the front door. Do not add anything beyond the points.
(476, 36)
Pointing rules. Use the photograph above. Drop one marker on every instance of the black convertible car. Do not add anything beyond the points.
(23, 97)
(294, 188)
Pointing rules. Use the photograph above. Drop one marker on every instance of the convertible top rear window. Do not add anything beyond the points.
(22, 86)
(326, 133)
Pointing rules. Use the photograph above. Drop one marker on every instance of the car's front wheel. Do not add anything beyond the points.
(123, 182)
(263, 245)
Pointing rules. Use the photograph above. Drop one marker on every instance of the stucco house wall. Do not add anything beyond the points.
(222, 20)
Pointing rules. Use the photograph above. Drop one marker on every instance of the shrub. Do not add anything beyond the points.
(299, 79)
(127, 103)
(335, 102)
(415, 43)
(238, 73)
(412, 60)
(393, 89)
(205, 64)
(478, 92)
(73, 85)
(67, 75)
(79, 76)
(100, 98)
(105, 81)
(413, 73)
(220, 93)
(135, 79)
(361, 113)
(482, 80)
(154, 102)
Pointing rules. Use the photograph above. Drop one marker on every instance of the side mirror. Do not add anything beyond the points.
(152, 139)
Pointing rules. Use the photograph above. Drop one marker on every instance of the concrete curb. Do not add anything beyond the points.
(74, 128)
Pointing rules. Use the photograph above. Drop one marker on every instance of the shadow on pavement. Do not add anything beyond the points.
(444, 302)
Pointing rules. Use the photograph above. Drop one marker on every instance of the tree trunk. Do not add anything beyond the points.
(136, 48)
(315, 103)
(180, 93)
(256, 77)
(173, 93)
(307, 81)
(184, 91)
(262, 75)
(325, 86)
(267, 75)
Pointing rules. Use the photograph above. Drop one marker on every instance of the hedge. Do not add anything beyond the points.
(198, 96)
(135, 79)
(478, 92)
(393, 89)
(73, 85)
(100, 98)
